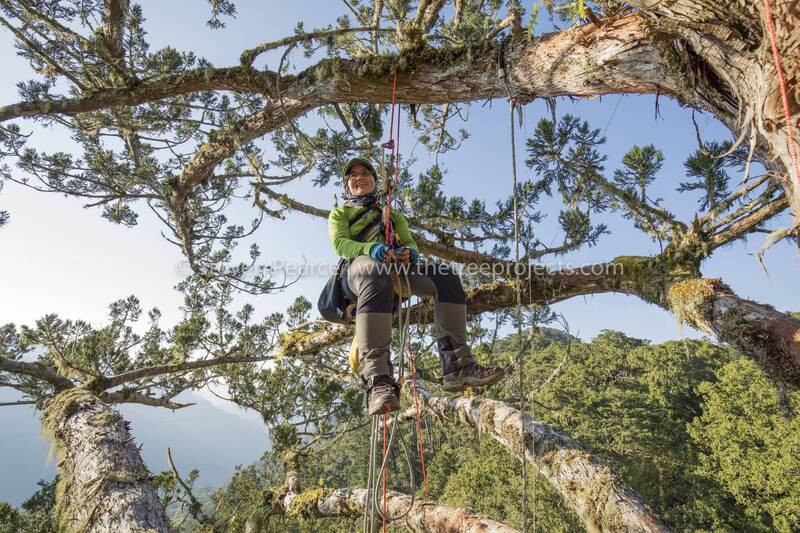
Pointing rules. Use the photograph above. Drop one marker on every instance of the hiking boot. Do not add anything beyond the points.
(382, 395)
(472, 375)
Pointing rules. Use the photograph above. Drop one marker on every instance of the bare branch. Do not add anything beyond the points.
(195, 507)
(749, 223)
(248, 56)
(20, 402)
(132, 396)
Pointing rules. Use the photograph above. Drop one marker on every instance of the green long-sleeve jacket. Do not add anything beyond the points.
(342, 233)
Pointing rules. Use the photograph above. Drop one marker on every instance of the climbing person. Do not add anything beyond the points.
(357, 234)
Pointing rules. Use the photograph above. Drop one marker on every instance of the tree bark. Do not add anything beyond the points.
(425, 516)
(103, 483)
(719, 58)
(601, 500)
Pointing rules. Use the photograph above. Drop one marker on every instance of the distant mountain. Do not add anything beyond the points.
(203, 436)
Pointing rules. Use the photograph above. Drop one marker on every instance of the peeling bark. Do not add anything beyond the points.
(104, 485)
(718, 54)
(601, 500)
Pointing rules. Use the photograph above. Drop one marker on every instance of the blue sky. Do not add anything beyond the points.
(58, 257)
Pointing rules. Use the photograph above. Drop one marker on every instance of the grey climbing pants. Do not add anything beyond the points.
(370, 282)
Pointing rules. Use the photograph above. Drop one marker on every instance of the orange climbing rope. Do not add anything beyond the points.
(776, 58)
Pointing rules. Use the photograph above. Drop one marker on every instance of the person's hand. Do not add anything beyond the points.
(380, 251)
(407, 255)
(404, 255)
(391, 255)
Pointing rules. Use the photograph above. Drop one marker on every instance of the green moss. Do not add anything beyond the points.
(104, 419)
(692, 300)
(62, 406)
(291, 341)
(645, 276)
(305, 503)
(379, 67)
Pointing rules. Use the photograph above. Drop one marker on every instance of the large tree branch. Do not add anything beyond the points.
(36, 370)
(598, 497)
(770, 337)
(550, 66)
(424, 516)
(555, 64)
(106, 382)
(103, 483)
(241, 79)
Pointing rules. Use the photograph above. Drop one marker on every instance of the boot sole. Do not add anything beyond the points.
(387, 407)
(458, 384)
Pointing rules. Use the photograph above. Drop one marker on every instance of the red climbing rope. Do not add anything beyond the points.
(393, 157)
(385, 451)
(776, 58)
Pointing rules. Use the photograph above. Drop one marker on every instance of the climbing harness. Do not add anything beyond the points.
(377, 476)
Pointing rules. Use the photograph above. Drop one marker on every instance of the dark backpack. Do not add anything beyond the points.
(334, 300)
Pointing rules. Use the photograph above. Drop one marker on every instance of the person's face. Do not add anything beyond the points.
(360, 181)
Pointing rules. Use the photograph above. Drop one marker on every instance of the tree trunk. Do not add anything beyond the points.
(719, 57)
(599, 499)
(103, 484)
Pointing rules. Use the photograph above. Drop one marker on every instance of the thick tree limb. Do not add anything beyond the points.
(552, 65)
(424, 516)
(103, 382)
(238, 78)
(601, 500)
(768, 336)
(36, 370)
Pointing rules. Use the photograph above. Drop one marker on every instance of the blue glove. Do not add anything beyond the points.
(414, 253)
(378, 251)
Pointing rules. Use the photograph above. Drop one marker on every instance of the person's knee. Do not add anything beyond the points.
(375, 290)
(449, 288)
